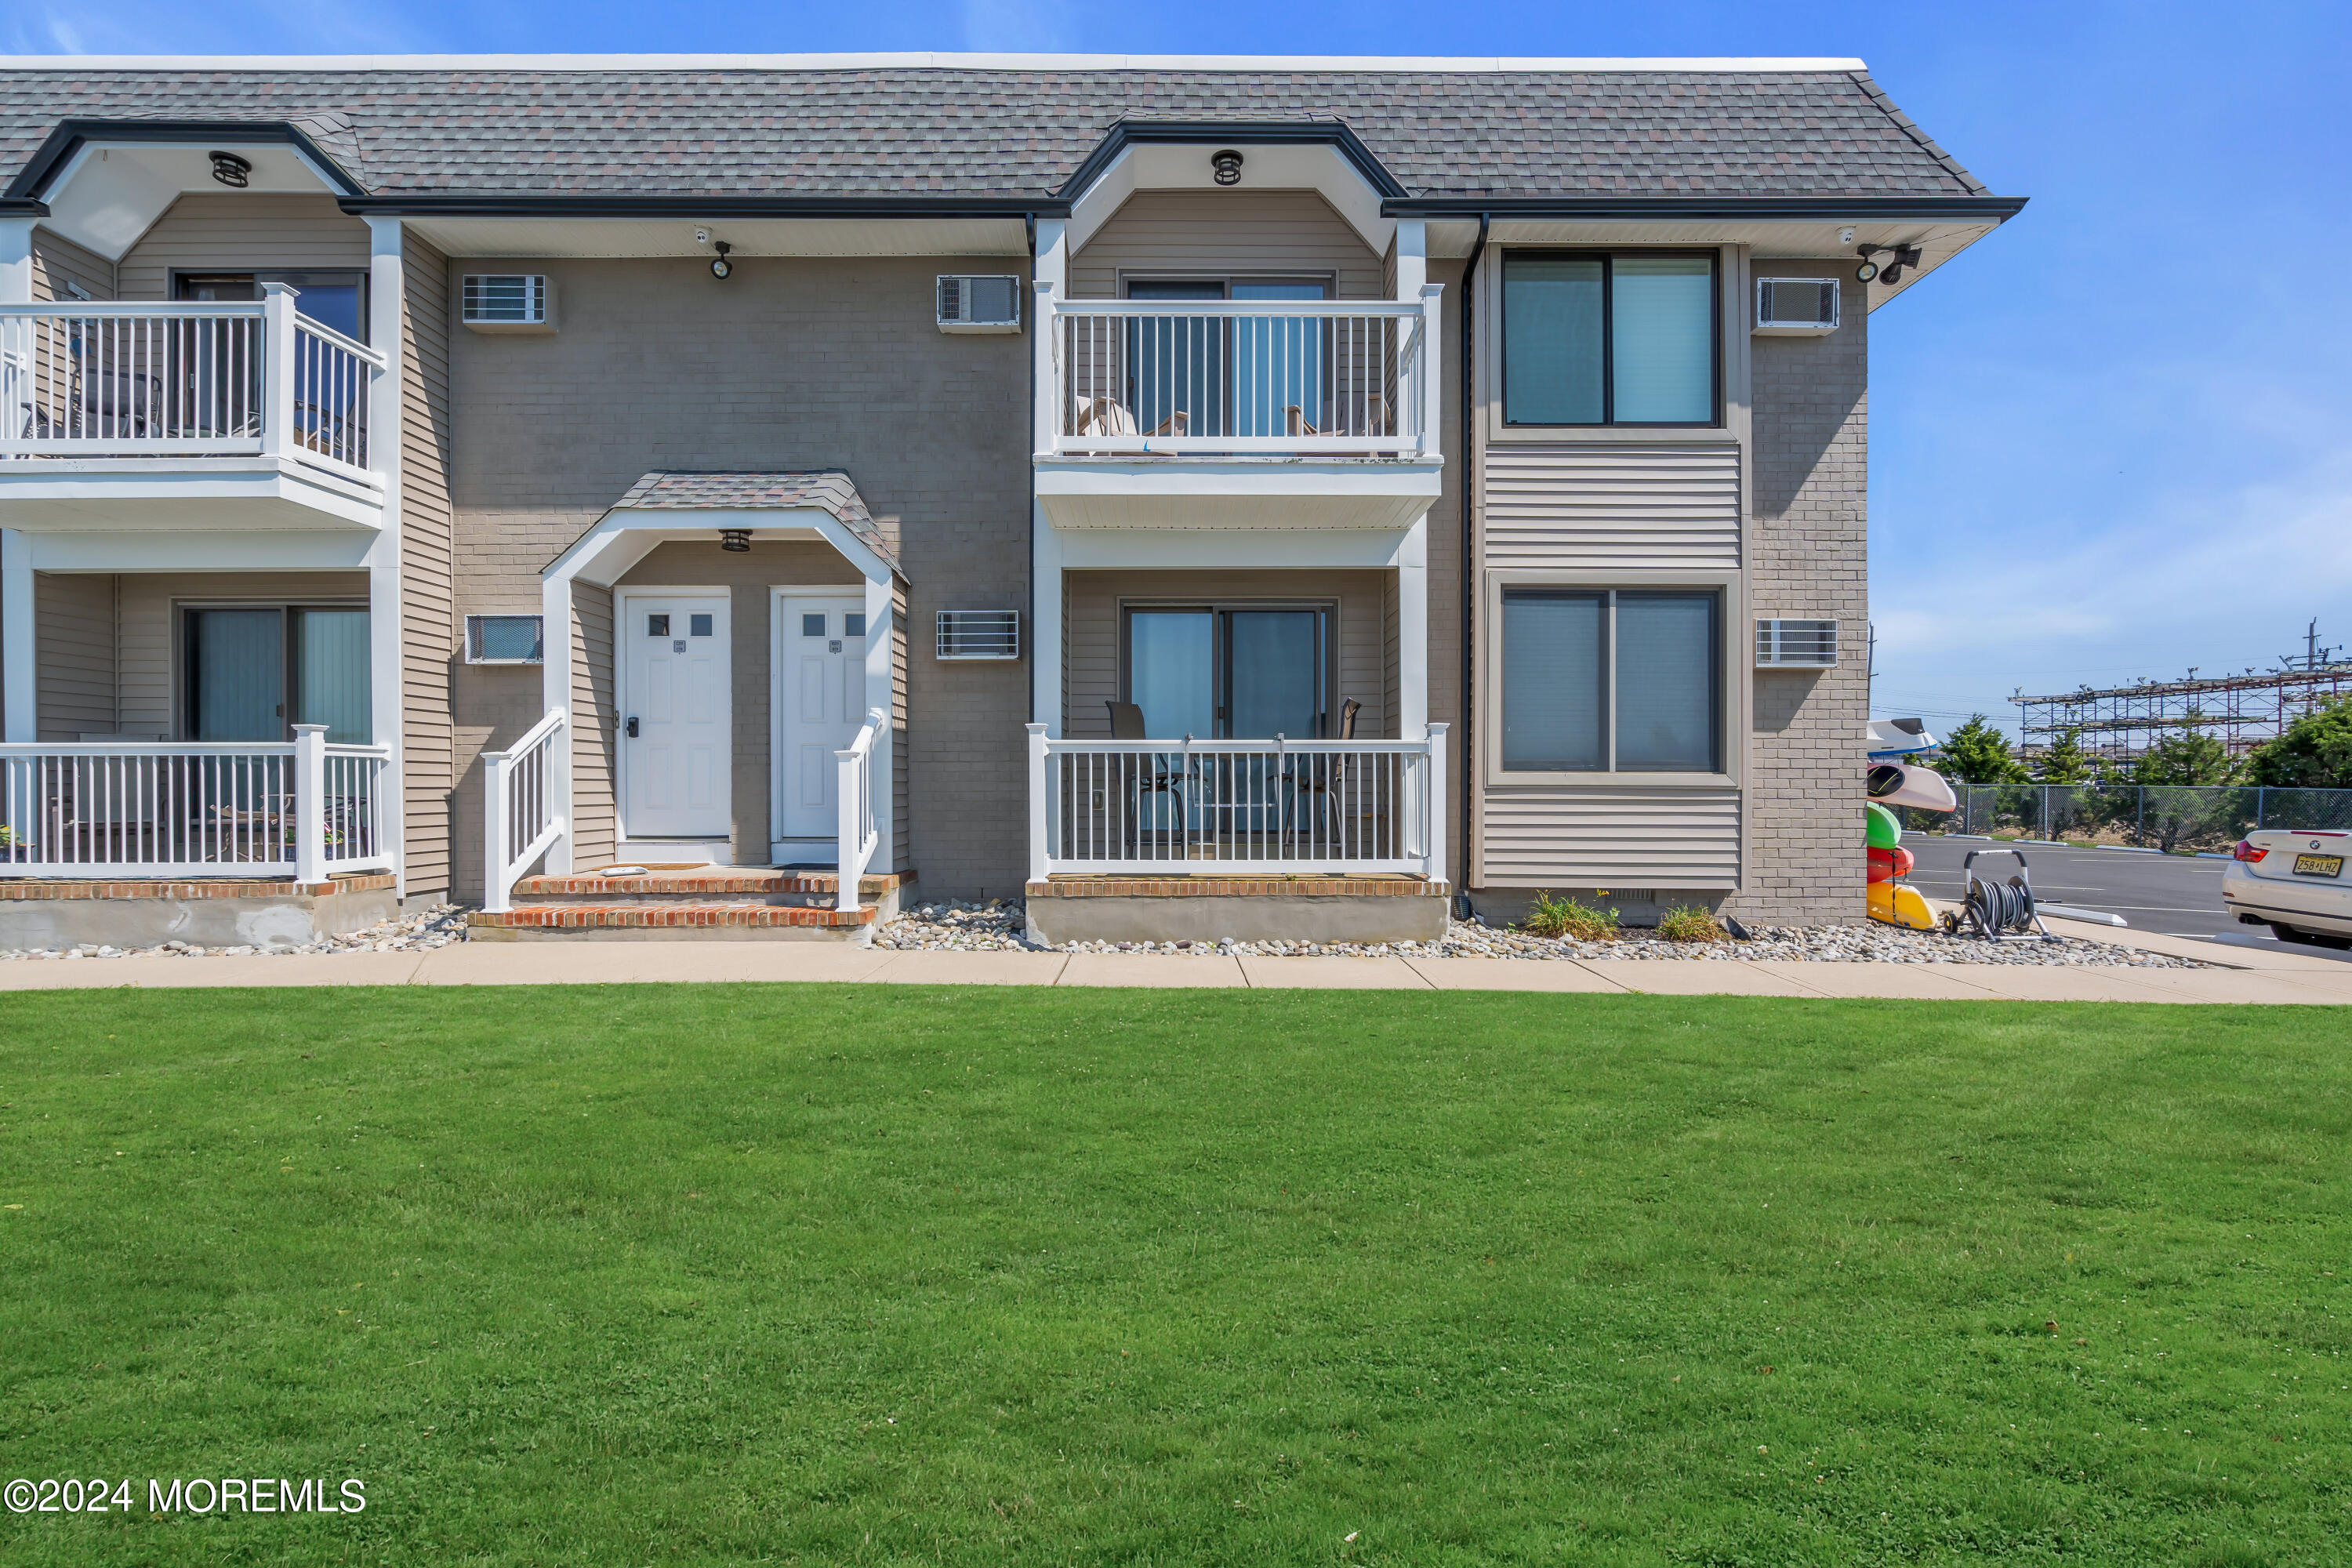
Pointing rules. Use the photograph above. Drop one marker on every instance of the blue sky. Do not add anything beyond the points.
(2113, 439)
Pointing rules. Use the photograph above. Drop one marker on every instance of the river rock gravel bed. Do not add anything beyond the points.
(436, 927)
(998, 926)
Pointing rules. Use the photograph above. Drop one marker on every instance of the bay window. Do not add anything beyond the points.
(1591, 338)
(1611, 681)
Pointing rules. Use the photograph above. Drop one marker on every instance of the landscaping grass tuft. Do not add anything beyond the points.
(874, 1275)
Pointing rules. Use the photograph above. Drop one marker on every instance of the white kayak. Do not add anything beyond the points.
(1905, 784)
(1897, 738)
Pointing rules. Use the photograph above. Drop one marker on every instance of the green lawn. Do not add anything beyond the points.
(836, 1275)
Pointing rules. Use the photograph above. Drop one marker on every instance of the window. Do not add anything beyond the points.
(337, 300)
(1612, 680)
(1249, 671)
(1591, 339)
(504, 639)
(698, 626)
(239, 665)
(657, 625)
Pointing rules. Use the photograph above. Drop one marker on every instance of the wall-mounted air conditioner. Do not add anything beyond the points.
(980, 634)
(505, 639)
(1796, 644)
(979, 304)
(506, 302)
(1796, 307)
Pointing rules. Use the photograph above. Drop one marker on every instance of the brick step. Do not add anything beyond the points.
(747, 886)
(670, 920)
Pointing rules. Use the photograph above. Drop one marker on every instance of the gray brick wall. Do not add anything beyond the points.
(1806, 556)
(788, 365)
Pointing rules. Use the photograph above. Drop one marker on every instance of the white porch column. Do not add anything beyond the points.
(1046, 700)
(1413, 257)
(555, 695)
(19, 705)
(388, 644)
(1413, 632)
(881, 667)
(15, 261)
(1046, 695)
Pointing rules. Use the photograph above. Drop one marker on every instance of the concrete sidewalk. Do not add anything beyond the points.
(2252, 975)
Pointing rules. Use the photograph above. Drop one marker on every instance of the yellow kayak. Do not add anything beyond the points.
(1899, 905)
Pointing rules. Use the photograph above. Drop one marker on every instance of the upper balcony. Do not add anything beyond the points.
(1238, 414)
(137, 415)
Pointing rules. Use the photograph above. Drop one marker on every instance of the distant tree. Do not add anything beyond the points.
(2064, 761)
(2315, 752)
(1977, 754)
(2191, 757)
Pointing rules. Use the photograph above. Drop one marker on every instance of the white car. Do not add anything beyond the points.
(2293, 883)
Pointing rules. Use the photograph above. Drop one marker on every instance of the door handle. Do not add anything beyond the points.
(633, 727)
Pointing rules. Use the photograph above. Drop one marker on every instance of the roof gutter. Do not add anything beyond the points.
(1592, 209)
(623, 206)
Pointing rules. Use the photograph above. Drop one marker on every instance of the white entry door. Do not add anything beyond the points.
(821, 654)
(674, 716)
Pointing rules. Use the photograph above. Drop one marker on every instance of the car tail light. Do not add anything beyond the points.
(2249, 852)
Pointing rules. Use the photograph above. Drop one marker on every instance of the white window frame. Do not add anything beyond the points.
(1732, 648)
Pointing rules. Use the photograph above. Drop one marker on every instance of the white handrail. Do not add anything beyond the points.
(1277, 806)
(859, 832)
(1237, 378)
(131, 810)
(521, 817)
(122, 378)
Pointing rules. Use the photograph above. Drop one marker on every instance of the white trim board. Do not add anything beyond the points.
(923, 60)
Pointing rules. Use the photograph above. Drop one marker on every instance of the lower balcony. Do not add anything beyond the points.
(120, 417)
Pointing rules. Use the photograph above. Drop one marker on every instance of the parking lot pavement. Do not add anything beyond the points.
(2172, 893)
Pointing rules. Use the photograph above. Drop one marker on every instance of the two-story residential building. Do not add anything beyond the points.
(1201, 496)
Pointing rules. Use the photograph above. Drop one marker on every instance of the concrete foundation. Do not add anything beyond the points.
(1416, 916)
(208, 914)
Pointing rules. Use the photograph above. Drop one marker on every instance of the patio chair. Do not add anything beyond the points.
(1152, 778)
(1320, 778)
(1109, 416)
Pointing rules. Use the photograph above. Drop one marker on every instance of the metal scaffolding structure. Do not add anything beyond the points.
(2240, 711)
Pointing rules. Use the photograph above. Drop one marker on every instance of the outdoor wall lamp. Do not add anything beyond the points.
(230, 170)
(1226, 162)
(719, 265)
(1902, 256)
(735, 541)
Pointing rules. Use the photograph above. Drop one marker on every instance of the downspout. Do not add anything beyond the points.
(1028, 456)
(1469, 566)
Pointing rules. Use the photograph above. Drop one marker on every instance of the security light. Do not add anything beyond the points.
(721, 266)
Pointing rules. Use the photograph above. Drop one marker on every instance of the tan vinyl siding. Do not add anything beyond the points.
(74, 655)
(592, 719)
(1092, 651)
(149, 658)
(242, 233)
(1226, 233)
(1623, 840)
(57, 261)
(429, 638)
(1603, 505)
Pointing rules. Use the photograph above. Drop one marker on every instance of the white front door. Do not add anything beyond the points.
(821, 659)
(674, 716)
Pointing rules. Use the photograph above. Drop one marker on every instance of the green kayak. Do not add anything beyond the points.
(1883, 830)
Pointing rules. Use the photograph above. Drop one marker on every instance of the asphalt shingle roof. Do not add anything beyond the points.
(1020, 133)
(826, 489)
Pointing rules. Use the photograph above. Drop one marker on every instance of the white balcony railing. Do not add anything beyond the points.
(112, 811)
(1237, 807)
(1236, 378)
(524, 806)
(859, 831)
(124, 379)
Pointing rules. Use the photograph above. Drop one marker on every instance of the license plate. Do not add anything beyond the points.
(2319, 865)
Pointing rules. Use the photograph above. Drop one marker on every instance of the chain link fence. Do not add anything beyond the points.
(2153, 816)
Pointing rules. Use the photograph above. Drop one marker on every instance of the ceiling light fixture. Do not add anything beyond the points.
(721, 266)
(735, 541)
(231, 170)
(1226, 162)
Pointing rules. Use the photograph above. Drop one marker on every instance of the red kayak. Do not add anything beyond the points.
(1886, 865)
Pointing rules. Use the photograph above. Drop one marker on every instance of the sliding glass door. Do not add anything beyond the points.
(238, 666)
(1238, 376)
(1241, 672)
